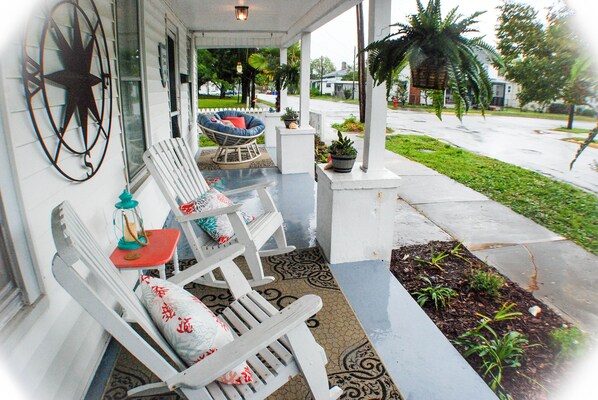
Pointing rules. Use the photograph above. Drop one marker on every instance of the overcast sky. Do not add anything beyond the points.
(338, 38)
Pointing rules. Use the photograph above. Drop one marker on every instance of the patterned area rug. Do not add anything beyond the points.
(352, 361)
(205, 161)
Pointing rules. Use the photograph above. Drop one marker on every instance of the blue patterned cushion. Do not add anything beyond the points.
(219, 227)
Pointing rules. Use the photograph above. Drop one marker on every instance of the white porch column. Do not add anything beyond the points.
(304, 85)
(375, 113)
(283, 93)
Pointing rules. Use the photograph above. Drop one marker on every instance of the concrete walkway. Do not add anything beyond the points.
(435, 207)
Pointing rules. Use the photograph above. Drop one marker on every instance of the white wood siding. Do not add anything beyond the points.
(53, 347)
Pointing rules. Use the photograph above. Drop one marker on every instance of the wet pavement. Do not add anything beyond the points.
(525, 142)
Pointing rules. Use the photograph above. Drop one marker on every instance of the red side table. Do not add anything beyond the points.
(160, 250)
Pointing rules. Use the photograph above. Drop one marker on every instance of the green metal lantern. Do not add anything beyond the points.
(128, 223)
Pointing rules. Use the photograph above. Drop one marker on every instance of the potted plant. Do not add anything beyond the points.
(289, 116)
(439, 56)
(342, 153)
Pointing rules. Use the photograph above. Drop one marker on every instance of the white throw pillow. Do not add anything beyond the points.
(188, 325)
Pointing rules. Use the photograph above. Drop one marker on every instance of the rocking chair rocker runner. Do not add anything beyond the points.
(180, 180)
(276, 344)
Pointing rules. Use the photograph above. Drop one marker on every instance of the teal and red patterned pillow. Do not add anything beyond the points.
(188, 325)
(219, 227)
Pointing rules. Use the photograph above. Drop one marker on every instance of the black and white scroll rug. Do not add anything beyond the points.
(353, 364)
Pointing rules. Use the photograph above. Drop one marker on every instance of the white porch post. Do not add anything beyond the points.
(283, 92)
(304, 85)
(375, 113)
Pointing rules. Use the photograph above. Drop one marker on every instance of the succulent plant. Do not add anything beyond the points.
(343, 146)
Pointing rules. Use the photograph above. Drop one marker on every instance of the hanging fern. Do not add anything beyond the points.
(428, 39)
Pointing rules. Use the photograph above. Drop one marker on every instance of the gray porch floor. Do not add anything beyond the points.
(422, 362)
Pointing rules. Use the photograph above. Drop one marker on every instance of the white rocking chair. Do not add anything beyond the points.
(276, 344)
(180, 180)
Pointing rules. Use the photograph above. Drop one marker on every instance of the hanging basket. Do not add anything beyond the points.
(430, 74)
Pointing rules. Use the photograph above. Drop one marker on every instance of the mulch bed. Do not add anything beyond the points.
(540, 364)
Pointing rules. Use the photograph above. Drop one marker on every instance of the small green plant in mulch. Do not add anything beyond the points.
(352, 124)
(496, 352)
(321, 151)
(568, 341)
(438, 294)
(435, 259)
(558, 206)
(486, 281)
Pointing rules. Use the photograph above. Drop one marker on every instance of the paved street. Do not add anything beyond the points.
(525, 142)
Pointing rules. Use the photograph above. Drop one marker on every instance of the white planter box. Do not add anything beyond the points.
(295, 150)
(355, 214)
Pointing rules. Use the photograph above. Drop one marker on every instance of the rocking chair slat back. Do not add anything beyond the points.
(76, 247)
(173, 162)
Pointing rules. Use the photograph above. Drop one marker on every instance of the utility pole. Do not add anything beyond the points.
(321, 73)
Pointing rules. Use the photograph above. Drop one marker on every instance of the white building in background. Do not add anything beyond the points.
(328, 81)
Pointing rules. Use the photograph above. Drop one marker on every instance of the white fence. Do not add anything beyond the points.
(257, 111)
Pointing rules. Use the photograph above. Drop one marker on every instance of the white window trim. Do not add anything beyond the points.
(135, 182)
(18, 235)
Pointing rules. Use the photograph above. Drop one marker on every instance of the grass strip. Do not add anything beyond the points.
(573, 130)
(558, 206)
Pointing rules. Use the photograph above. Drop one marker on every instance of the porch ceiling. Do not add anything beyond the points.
(271, 23)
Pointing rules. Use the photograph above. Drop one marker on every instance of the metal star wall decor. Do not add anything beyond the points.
(67, 82)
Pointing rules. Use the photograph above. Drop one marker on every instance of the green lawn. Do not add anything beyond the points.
(574, 130)
(510, 112)
(205, 142)
(560, 207)
(205, 101)
(216, 102)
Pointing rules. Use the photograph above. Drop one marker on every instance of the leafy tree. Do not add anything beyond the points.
(320, 67)
(218, 66)
(539, 57)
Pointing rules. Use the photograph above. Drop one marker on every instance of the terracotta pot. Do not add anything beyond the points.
(343, 164)
(430, 74)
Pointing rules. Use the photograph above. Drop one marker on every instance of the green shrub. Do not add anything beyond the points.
(588, 112)
(486, 281)
(558, 108)
(314, 92)
(440, 295)
(568, 341)
(347, 93)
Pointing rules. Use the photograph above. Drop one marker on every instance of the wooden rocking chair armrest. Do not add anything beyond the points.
(207, 265)
(232, 354)
(248, 188)
(211, 213)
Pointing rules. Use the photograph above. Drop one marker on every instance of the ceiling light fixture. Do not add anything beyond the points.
(242, 13)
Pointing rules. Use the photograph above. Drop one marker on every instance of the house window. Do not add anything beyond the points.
(131, 86)
(329, 85)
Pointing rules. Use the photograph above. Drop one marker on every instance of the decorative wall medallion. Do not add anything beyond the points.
(67, 82)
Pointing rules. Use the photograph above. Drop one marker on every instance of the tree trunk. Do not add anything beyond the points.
(361, 61)
(277, 87)
(253, 97)
(571, 116)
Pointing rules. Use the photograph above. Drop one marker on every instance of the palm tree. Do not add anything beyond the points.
(439, 55)
(267, 62)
